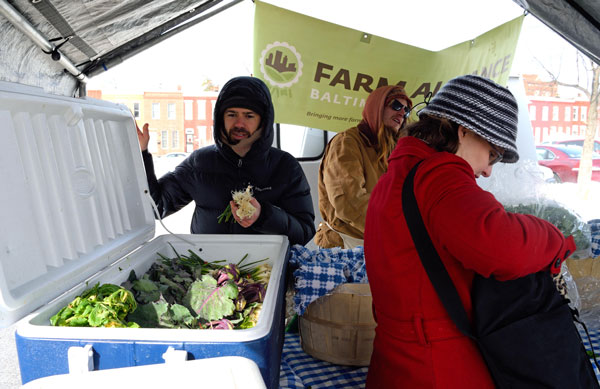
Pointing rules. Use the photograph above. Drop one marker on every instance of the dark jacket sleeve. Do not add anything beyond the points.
(293, 215)
(166, 192)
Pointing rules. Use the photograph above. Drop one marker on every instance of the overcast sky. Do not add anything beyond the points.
(221, 47)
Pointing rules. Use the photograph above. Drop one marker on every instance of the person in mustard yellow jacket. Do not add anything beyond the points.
(353, 162)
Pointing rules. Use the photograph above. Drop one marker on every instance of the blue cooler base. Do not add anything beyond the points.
(45, 357)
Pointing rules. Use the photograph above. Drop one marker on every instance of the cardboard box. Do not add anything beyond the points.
(339, 327)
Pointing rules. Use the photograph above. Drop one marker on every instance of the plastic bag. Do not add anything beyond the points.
(519, 183)
(566, 220)
(522, 189)
(571, 287)
(589, 293)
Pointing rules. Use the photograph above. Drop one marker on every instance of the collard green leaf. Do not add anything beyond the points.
(148, 315)
(209, 301)
(146, 290)
(144, 285)
(182, 315)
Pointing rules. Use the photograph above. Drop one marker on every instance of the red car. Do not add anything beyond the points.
(564, 161)
(577, 142)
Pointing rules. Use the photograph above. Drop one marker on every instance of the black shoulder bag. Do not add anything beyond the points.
(524, 328)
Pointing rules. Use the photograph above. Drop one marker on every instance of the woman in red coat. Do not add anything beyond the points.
(468, 126)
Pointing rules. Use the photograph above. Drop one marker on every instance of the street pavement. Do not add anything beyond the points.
(10, 377)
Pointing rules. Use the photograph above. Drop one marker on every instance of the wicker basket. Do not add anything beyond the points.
(339, 327)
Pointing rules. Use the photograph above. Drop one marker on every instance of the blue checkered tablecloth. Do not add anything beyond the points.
(299, 370)
(320, 271)
(595, 235)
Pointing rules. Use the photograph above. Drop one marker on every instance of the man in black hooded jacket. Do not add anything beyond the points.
(241, 156)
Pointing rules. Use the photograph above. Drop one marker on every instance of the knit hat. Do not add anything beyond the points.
(483, 107)
(243, 95)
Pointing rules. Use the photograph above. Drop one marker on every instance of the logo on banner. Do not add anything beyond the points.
(280, 64)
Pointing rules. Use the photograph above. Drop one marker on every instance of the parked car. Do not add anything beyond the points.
(168, 162)
(577, 142)
(564, 161)
(176, 155)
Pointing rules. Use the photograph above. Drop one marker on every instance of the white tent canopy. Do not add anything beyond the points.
(94, 36)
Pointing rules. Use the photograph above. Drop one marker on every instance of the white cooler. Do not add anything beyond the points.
(75, 212)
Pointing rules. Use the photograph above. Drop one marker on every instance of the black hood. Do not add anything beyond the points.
(251, 93)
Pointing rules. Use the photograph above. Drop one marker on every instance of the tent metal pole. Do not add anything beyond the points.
(26, 28)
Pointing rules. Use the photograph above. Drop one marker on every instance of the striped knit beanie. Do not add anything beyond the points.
(483, 107)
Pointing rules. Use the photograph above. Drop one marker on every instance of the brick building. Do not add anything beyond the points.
(198, 119)
(164, 113)
(536, 87)
(178, 123)
(553, 117)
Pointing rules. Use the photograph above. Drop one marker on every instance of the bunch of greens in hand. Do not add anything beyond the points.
(242, 200)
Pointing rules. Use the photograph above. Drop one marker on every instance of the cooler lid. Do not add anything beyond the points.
(73, 199)
(230, 372)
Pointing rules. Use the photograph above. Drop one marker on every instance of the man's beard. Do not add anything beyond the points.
(233, 141)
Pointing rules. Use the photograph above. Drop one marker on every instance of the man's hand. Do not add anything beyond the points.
(143, 136)
(246, 222)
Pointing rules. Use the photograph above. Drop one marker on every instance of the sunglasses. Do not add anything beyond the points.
(398, 106)
(495, 155)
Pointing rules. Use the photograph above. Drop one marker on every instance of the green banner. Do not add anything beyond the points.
(320, 73)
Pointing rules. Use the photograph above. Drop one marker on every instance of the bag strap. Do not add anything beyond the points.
(437, 273)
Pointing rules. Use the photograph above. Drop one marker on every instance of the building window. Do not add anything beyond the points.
(553, 129)
(155, 110)
(175, 139)
(171, 111)
(575, 130)
(136, 110)
(567, 114)
(188, 109)
(532, 112)
(164, 139)
(555, 114)
(575, 114)
(583, 114)
(545, 113)
(201, 109)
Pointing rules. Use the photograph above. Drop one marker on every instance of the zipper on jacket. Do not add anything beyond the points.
(240, 162)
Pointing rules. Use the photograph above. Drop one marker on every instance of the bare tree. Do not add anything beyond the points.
(587, 82)
(209, 86)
